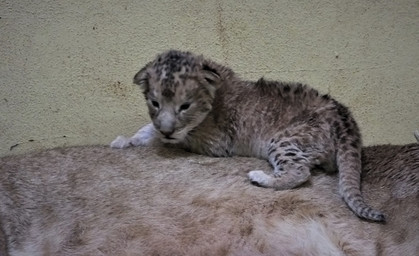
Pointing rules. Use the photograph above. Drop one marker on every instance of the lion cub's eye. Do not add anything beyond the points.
(184, 106)
(155, 104)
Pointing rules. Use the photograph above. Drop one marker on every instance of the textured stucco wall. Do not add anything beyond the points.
(66, 67)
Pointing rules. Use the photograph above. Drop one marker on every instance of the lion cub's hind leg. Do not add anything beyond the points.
(291, 168)
(292, 159)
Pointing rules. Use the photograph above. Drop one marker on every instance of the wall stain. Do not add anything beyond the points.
(118, 89)
(222, 31)
(33, 140)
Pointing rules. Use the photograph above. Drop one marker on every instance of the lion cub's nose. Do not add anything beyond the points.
(167, 133)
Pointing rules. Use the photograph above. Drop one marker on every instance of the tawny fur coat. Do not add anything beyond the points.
(155, 201)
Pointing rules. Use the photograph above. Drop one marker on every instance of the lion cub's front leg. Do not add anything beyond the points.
(146, 136)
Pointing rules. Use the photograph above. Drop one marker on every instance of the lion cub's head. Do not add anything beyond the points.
(179, 88)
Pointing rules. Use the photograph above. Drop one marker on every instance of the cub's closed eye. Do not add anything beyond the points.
(184, 106)
(155, 104)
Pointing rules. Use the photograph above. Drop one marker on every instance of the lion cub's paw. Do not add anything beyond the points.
(120, 142)
(259, 178)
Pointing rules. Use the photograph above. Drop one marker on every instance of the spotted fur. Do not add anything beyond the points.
(203, 107)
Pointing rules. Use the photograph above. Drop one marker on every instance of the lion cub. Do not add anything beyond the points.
(205, 108)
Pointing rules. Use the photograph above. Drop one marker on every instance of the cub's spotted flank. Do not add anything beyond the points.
(203, 107)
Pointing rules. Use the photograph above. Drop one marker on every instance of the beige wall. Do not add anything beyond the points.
(66, 67)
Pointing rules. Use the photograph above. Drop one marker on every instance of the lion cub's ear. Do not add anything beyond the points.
(212, 76)
(141, 78)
